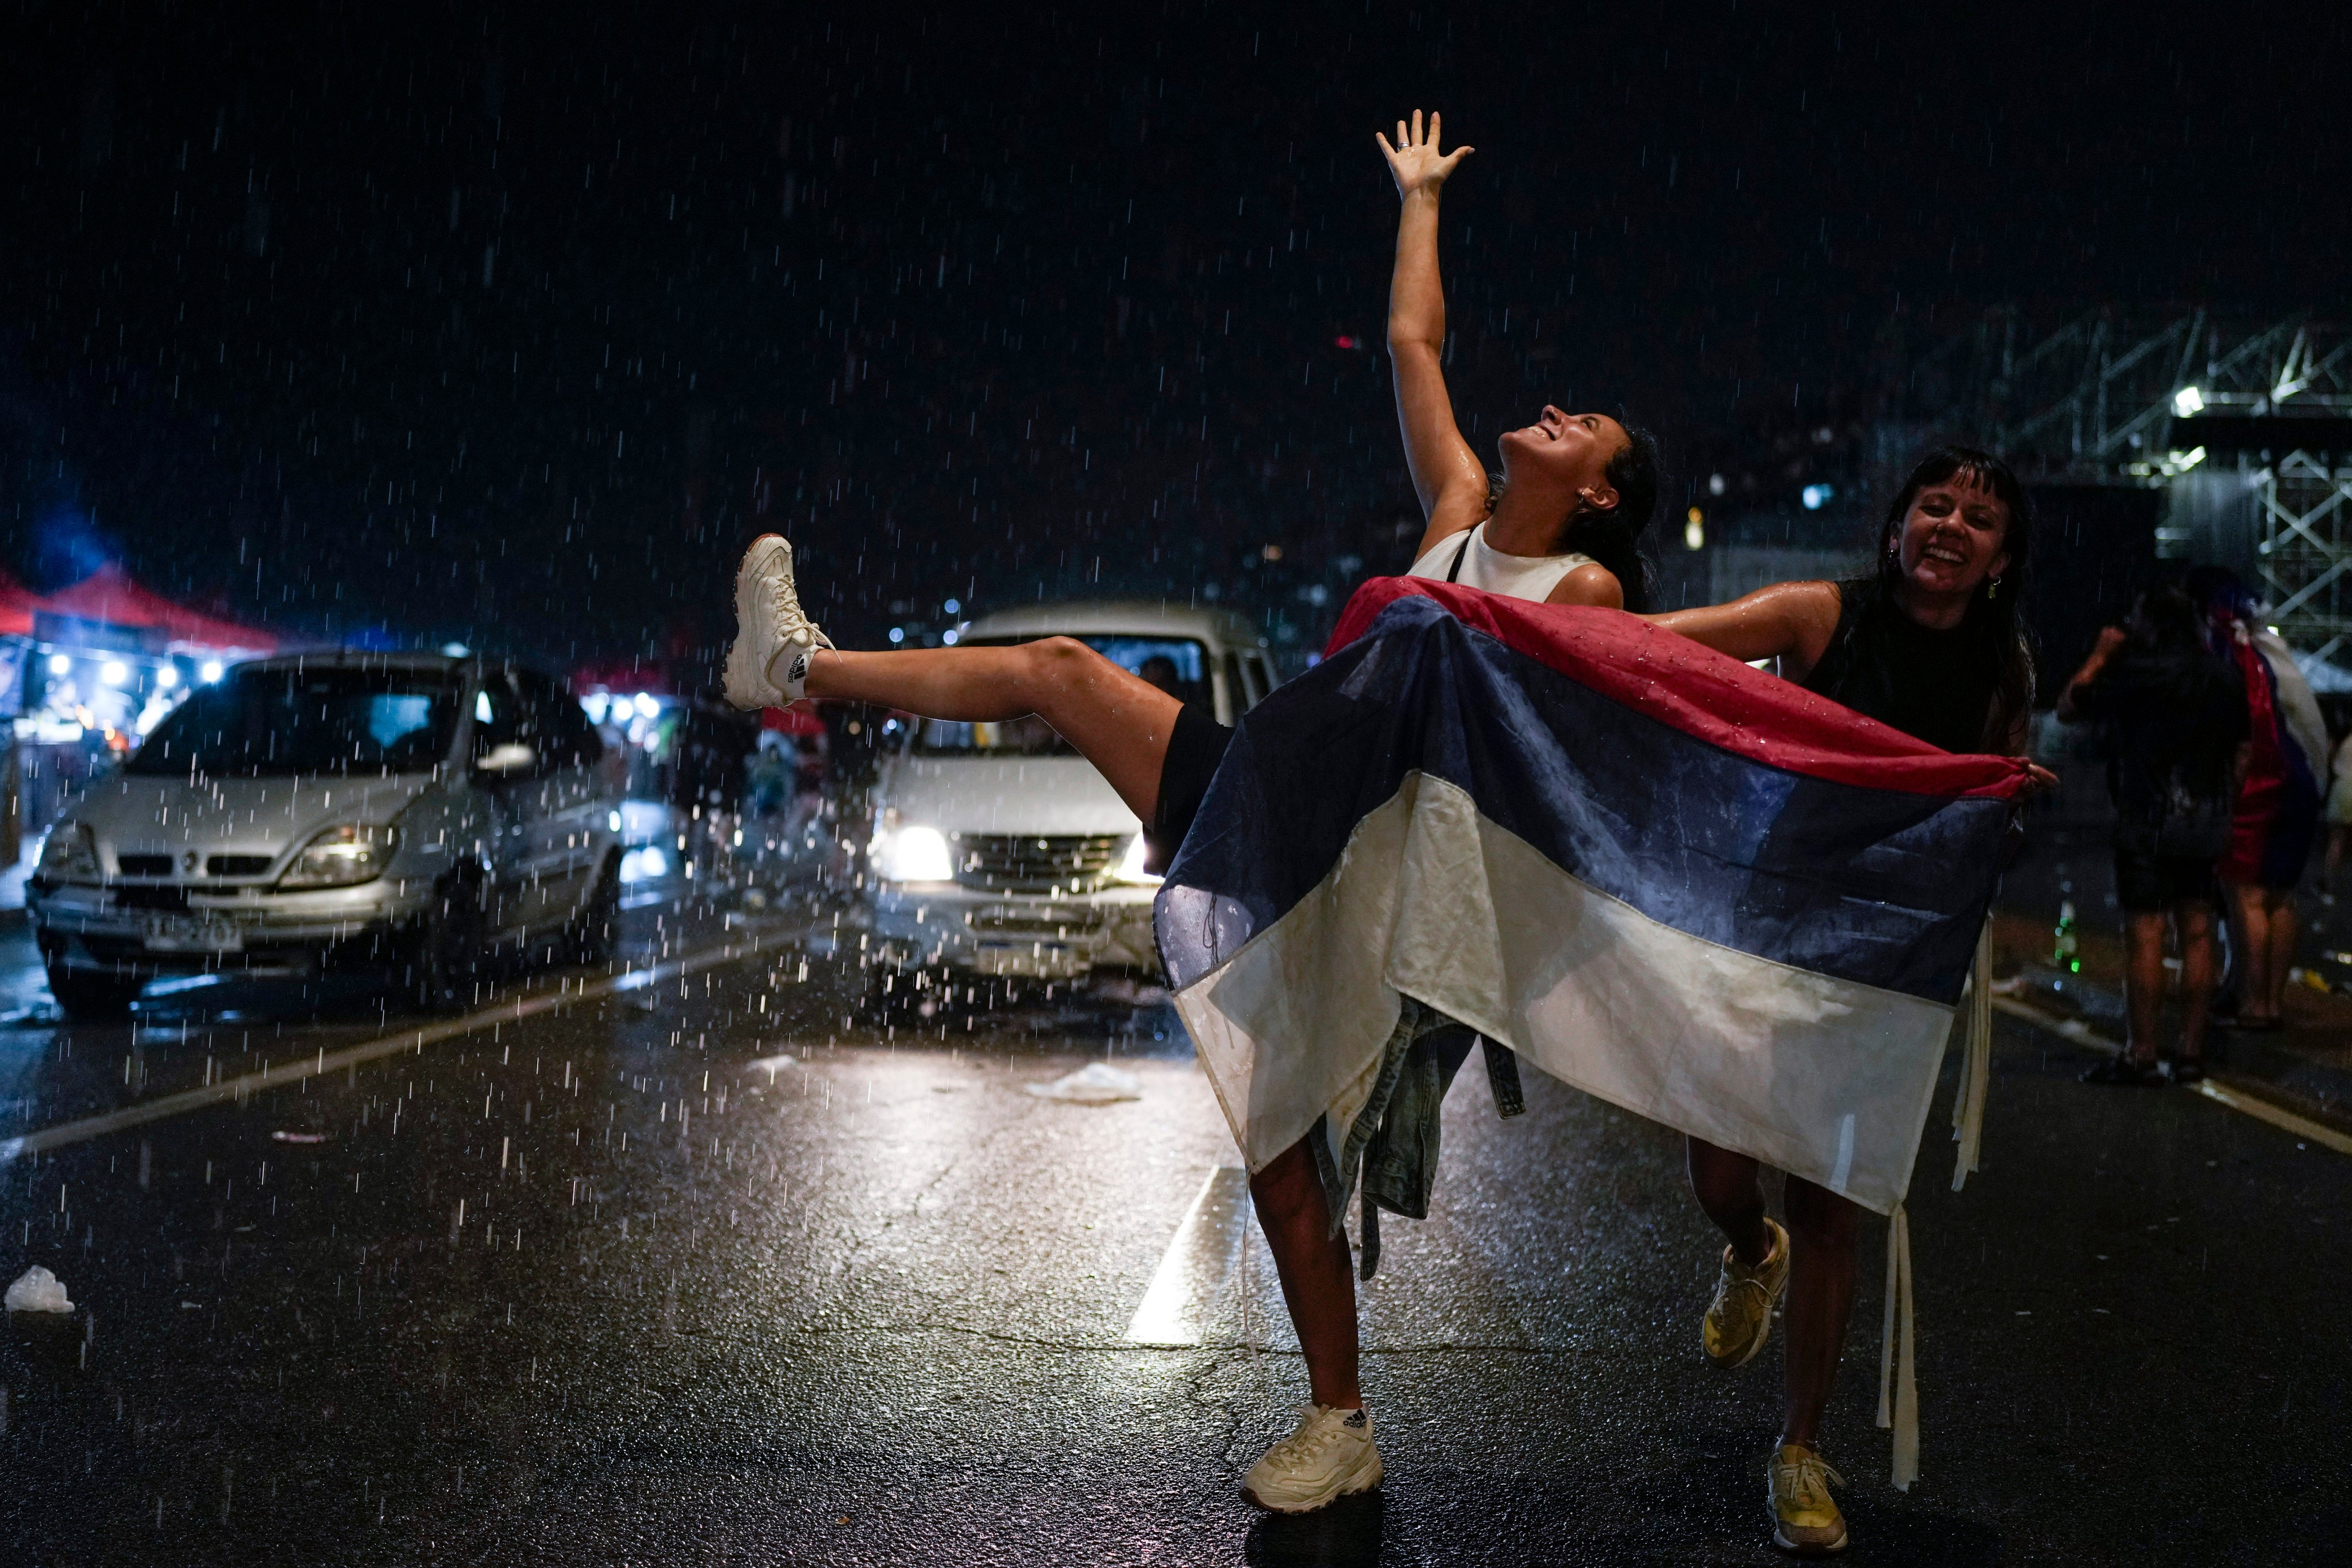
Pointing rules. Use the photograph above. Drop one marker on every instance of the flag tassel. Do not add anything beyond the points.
(1976, 1064)
(1898, 1388)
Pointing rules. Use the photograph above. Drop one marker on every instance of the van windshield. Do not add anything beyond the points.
(1178, 666)
(269, 722)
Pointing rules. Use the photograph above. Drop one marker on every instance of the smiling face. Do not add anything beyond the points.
(1954, 538)
(1567, 453)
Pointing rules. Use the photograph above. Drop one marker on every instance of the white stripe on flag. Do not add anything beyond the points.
(1826, 1079)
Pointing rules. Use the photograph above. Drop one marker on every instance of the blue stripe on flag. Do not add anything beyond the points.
(1882, 887)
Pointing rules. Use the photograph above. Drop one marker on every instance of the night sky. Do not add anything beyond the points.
(400, 323)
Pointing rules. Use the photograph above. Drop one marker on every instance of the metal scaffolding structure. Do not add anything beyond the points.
(2248, 425)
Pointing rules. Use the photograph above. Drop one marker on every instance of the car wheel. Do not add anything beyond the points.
(92, 996)
(596, 933)
(446, 953)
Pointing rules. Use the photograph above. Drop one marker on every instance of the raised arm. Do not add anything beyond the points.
(1446, 474)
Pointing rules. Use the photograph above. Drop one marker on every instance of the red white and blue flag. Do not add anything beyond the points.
(1692, 888)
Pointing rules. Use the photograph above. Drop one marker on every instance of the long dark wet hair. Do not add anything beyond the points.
(1612, 537)
(1995, 621)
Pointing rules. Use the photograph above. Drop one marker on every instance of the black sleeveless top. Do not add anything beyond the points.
(1935, 685)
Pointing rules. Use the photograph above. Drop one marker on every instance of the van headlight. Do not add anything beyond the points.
(70, 854)
(342, 857)
(1130, 868)
(912, 853)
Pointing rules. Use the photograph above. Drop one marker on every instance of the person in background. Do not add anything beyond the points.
(2339, 815)
(2278, 804)
(1160, 671)
(709, 771)
(2175, 717)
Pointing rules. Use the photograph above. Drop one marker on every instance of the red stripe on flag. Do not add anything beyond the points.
(1709, 696)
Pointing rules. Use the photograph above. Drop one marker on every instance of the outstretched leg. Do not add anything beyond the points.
(1118, 721)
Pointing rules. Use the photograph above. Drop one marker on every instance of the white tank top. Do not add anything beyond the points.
(1482, 566)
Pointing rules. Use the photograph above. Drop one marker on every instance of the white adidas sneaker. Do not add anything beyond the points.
(1330, 1455)
(768, 661)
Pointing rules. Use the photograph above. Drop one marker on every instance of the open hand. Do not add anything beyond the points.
(1414, 159)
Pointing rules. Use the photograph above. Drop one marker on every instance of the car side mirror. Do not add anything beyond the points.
(507, 760)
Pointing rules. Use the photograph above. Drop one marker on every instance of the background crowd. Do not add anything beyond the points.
(2218, 760)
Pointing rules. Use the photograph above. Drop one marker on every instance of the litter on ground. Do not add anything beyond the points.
(39, 1291)
(1097, 1083)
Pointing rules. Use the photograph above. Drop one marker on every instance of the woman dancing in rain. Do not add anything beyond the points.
(1933, 644)
(1561, 527)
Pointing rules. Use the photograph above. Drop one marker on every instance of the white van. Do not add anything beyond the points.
(997, 849)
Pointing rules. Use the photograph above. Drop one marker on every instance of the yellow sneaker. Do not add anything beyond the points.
(1740, 1319)
(1805, 1517)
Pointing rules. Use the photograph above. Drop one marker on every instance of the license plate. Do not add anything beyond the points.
(192, 934)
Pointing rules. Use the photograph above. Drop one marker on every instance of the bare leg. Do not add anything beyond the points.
(2142, 985)
(1318, 1284)
(1120, 721)
(1823, 1230)
(2278, 907)
(1726, 1186)
(2195, 925)
(2254, 983)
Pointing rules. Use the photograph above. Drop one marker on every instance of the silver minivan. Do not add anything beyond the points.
(327, 810)
(997, 850)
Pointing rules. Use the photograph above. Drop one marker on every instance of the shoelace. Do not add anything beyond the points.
(1809, 1489)
(784, 602)
(1737, 1274)
(1313, 1435)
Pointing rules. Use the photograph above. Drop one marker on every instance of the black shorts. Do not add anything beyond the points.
(2149, 884)
(1194, 748)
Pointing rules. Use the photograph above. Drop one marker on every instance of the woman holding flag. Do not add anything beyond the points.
(1559, 527)
(1932, 643)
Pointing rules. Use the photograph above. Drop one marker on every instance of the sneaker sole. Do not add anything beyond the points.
(1363, 1483)
(1824, 1549)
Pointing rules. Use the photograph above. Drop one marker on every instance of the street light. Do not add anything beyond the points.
(60, 665)
(114, 672)
(166, 678)
(212, 670)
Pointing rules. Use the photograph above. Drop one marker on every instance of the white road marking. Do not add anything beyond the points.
(2261, 1109)
(2287, 1120)
(1192, 1273)
(566, 995)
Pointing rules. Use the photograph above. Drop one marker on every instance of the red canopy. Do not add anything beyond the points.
(18, 604)
(110, 596)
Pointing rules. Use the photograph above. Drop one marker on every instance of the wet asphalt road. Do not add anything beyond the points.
(689, 1270)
